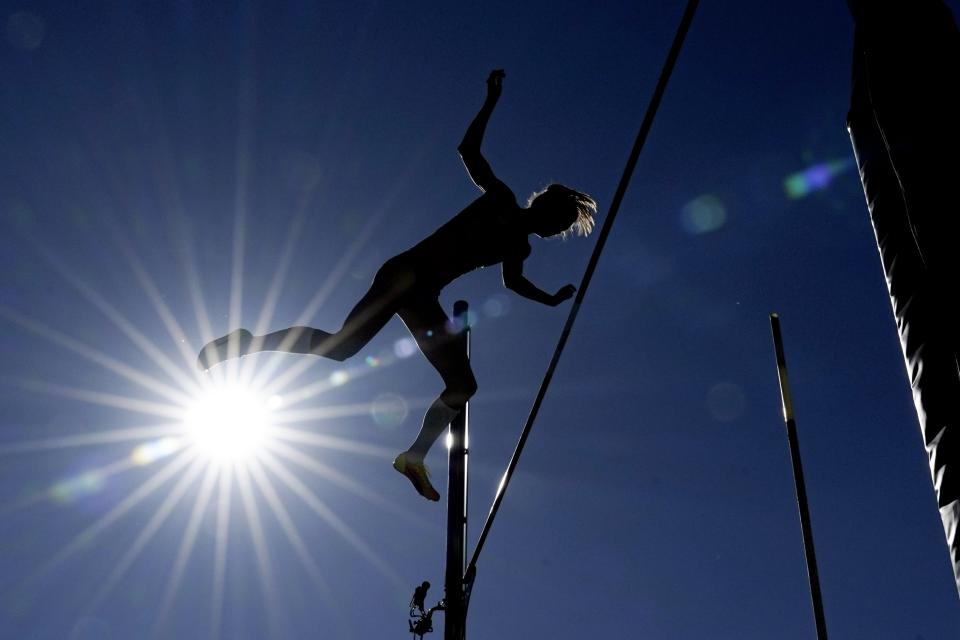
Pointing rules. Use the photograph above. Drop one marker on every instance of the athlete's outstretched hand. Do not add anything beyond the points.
(565, 293)
(495, 84)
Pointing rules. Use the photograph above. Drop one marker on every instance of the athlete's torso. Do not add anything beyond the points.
(486, 233)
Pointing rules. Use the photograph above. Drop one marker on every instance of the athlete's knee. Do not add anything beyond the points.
(341, 353)
(345, 350)
(396, 275)
(336, 347)
(460, 391)
(470, 387)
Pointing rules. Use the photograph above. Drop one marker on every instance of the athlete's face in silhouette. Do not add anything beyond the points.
(547, 221)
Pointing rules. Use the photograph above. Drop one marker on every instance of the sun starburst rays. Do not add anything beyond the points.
(146, 534)
(314, 466)
(267, 581)
(276, 457)
(169, 320)
(289, 528)
(130, 373)
(222, 537)
(317, 505)
(200, 504)
(88, 535)
(167, 481)
(89, 438)
(184, 479)
(156, 355)
(323, 292)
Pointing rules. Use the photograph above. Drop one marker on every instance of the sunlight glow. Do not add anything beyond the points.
(228, 422)
(229, 431)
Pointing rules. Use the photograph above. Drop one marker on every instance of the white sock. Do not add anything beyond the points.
(436, 419)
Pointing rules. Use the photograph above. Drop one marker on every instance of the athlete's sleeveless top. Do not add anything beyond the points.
(486, 233)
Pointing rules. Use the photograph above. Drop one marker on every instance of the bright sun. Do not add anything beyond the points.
(228, 422)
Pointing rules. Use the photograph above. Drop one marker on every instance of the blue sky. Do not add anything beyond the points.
(655, 497)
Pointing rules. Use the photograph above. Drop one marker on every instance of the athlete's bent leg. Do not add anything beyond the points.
(427, 323)
(363, 322)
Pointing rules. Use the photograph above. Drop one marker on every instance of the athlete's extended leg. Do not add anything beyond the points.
(364, 321)
(428, 323)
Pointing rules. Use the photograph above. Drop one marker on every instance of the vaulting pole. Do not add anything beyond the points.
(618, 196)
(454, 627)
(812, 573)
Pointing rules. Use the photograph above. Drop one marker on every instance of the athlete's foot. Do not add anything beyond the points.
(234, 344)
(417, 473)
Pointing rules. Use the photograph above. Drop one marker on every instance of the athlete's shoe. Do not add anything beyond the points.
(418, 474)
(234, 344)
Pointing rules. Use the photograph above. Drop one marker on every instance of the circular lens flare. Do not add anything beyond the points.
(228, 423)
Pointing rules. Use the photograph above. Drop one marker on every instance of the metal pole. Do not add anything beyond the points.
(812, 572)
(454, 627)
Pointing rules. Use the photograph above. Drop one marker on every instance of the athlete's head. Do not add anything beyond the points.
(559, 210)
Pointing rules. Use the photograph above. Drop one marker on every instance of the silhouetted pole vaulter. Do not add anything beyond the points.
(492, 230)
(455, 596)
(811, 556)
(638, 143)
(904, 124)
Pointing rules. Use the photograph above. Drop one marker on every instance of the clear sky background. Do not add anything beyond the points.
(655, 498)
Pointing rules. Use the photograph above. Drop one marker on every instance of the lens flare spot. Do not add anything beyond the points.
(496, 306)
(816, 178)
(389, 410)
(703, 214)
(68, 490)
(150, 452)
(404, 347)
(339, 378)
(457, 325)
(373, 361)
(228, 423)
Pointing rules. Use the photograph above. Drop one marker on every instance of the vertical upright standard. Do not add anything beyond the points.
(454, 627)
(812, 573)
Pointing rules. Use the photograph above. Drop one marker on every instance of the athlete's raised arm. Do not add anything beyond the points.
(477, 166)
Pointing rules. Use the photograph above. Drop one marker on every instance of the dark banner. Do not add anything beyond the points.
(904, 126)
